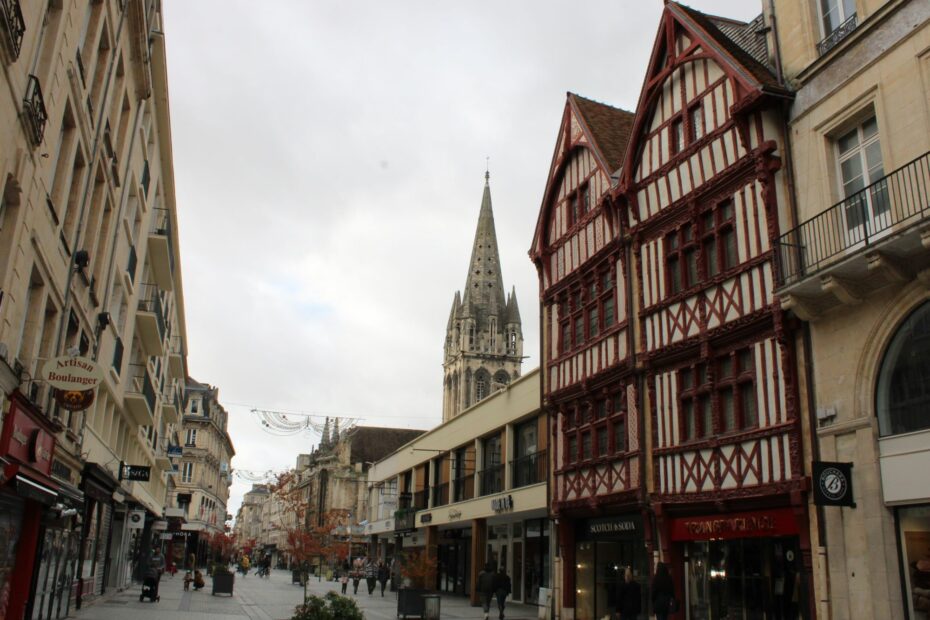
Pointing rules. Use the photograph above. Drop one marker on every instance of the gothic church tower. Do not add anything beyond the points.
(484, 336)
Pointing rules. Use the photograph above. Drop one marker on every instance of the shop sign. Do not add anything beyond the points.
(455, 514)
(833, 484)
(136, 519)
(72, 374)
(62, 471)
(614, 526)
(26, 441)
(74, 400)
(777, 522)
(139, 473)
(502, 504)
(426, 517)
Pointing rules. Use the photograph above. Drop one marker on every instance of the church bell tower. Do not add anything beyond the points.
(484, 336)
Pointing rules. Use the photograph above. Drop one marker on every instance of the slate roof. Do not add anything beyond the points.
(372, 443)
(739, 40)
(610, 127)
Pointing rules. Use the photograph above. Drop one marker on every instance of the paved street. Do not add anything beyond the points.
(260, 599)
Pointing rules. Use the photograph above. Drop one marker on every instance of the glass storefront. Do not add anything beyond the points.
(744, 578)
(914, 532)
(604, 549)
(454, 568)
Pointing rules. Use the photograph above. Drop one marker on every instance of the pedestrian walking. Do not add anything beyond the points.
(629, 597)
(356, 577)
(485, 587)
(383, 574)
(371, 575)
(502, 590)
(344, 580)
(663, 593)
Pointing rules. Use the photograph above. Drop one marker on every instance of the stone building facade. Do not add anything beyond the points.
(89, 265)
(853, 267)
(204, 471)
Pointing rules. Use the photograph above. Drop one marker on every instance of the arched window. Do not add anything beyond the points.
(482, 384)
(902, 399)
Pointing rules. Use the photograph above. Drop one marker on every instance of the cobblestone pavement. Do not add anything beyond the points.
(255, 598)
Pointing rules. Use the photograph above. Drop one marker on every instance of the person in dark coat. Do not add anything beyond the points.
(383, 574)
(371, 575)
(629, 597)
(502, 590)
(485, 587)
(663, 592)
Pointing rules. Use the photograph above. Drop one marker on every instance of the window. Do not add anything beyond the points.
(195, 405)
(718, 239)
(586, 446)
(187, 472)
(903, 390)
(602, 448)
(676, 135)
(588, 310)
(696, 123)
(572, 449)
(834, 12)
(191, 439)
(681, 267)
(859, 155)
(718, 396)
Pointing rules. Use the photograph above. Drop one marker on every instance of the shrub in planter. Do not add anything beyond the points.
(330, 607)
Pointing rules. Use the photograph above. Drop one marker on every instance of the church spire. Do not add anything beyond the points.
(484, 286)
(484, 339)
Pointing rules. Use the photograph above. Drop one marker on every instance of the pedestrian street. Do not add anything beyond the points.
(255, 598)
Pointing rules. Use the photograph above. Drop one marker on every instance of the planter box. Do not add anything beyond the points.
(223, 583)
(410, 602)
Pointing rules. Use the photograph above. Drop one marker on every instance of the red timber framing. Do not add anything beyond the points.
(587, 386)
(698, 198)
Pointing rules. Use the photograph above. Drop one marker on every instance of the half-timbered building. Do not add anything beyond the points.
(700, 188)
(596, 482)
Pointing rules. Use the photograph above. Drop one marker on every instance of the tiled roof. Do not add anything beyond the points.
(371, 443)
(739, 40)
(610, 127)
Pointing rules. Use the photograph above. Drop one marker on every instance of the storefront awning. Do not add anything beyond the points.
(33, 490)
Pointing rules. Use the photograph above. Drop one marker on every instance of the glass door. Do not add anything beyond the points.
(866, 204)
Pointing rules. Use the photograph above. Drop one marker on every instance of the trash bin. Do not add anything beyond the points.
(431, 606)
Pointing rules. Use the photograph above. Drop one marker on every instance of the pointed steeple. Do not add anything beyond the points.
(484, 286)
(484, 338)
(324, 436)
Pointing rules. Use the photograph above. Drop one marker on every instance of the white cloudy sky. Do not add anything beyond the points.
(329, 160)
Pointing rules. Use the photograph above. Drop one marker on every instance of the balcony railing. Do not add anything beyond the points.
(14, 26)
(492, 479)
(34, 110)
(891, 204)
(839, 33)
(150, 301)
(463, 488)
(528, 469)
(441, 494)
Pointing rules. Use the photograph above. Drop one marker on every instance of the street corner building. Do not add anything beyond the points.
(89, 271)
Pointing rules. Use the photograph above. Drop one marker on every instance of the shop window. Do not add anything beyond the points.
(914, 526)
(903, 391)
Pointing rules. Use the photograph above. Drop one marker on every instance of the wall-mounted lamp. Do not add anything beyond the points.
(81, 259)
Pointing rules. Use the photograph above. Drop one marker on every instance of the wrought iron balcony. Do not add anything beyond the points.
(877, 230)
(150, 320)
(463, 488)
(14, 26)
(528, 469)
(441, 494)
(492, 479)
(140, 396)
(839, 33)
(34, 110)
